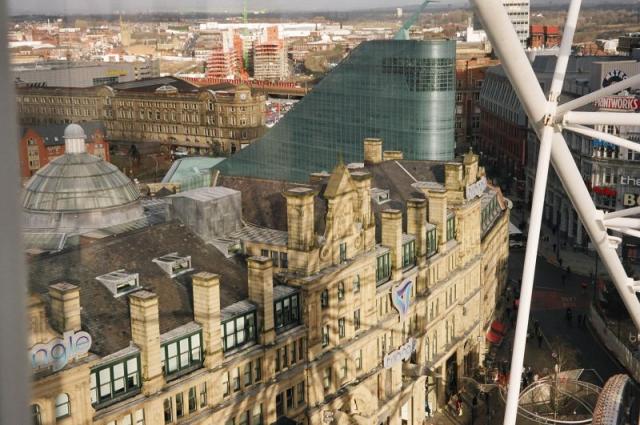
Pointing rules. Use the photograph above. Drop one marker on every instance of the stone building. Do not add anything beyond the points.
(164, 110)
(368, 297)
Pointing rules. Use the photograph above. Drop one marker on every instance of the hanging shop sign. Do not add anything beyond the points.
(476, 189)
(59, 351)
(401, 354)
(401, 298)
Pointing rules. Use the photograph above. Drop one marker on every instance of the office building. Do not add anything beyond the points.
(167, 110)
(402, 91)
(324, 321)
(66, 74)
(270, 61)
(519, 13)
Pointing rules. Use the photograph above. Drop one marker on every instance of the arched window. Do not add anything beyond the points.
(35, 415)
(63, 407)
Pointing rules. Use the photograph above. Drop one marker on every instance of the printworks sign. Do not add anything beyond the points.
(59, 351)
(401, 354)
(619, 103)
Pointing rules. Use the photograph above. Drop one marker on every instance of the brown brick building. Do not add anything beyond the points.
(40, 145)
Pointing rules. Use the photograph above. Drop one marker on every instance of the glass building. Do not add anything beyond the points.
(402, 91)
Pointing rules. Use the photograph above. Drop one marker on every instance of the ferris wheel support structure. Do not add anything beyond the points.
(549, 120)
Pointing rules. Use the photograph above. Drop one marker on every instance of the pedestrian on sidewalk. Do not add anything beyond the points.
(584, 287)
(569, 315)
(539, 336)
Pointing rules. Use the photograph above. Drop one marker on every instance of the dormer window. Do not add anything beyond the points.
(174, 264)
(380, 196)
(120, 282)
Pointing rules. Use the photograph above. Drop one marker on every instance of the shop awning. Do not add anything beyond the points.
(494, 338)
(498, 327)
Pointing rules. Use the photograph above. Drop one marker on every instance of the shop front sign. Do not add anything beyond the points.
(401, 354)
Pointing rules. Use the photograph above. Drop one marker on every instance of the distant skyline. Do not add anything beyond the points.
(67, 7)
(64, 7)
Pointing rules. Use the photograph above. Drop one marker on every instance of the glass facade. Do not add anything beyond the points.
(402, 91)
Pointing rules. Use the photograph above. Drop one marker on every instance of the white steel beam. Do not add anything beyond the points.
(548, 121)
(595, 118)
(610, 138)
(565, 50)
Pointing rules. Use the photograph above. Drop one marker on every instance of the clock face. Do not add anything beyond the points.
(243, 96)
(613, 76)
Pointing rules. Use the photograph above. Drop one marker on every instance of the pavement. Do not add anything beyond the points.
(557, 252)
(552, 295)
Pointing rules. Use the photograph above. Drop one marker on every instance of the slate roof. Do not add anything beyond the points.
(52, 134)
(151, 84)
(107, 318)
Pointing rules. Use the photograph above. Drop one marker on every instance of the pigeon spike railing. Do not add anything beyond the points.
(549, 120)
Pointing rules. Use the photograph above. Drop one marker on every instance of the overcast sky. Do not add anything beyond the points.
(63, 7)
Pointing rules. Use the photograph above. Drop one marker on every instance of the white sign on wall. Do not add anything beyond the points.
(476, 189)
(401, 354)
(59, 351)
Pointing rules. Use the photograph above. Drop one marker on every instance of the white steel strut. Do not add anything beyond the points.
(549, 120)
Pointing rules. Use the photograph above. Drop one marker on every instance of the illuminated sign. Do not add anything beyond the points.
(401, 298)
(476, 189)
(613, 76)
(59, 351)
(619, 103)
(401, 354)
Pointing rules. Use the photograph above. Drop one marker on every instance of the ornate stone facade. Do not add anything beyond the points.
(346, 330)
(174, 113)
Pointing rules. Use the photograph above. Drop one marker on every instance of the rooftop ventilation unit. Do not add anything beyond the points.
(120, 282)
(173, 264)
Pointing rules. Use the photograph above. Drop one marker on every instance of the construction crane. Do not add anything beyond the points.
(403, 32)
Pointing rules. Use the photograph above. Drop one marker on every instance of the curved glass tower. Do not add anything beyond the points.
(402, 91)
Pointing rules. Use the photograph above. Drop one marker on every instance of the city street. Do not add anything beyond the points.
(551, 298)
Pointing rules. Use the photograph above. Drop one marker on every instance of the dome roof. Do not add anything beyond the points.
(78, 182)
(74, 131)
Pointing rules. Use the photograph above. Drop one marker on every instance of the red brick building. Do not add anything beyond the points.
(470, 75)
(42, 144)
(544, 36)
